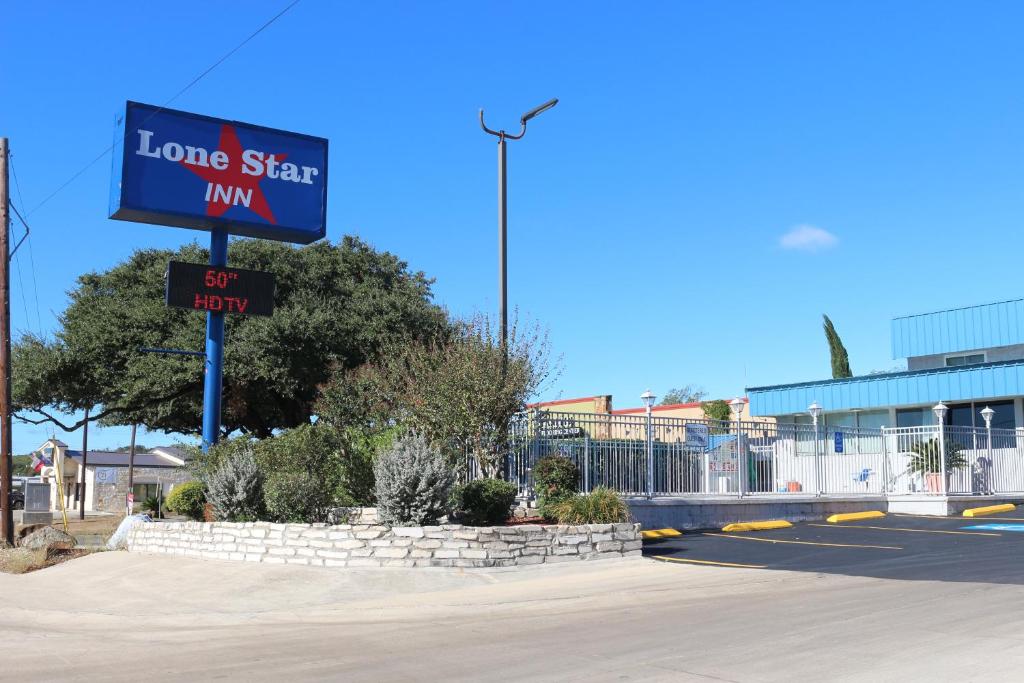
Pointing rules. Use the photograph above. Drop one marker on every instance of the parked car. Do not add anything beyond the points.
(17, 500)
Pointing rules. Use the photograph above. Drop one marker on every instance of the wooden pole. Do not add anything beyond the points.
(131, 471)
(85, 460)
(6, 464)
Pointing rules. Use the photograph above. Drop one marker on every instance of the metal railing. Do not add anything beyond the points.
(643, 455)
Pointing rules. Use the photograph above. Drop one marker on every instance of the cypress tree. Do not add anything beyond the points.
(840, 359)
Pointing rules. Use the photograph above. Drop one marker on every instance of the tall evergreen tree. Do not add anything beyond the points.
(840, 359)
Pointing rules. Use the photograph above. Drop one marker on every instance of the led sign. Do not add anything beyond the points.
(221, 290)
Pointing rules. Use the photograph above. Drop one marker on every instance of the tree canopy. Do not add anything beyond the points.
(336, 307)
(458, 390)
(717, 410)
(688, 393)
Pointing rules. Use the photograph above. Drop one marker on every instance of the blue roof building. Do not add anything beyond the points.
(968, 358)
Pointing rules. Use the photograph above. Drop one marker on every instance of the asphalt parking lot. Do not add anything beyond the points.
(909, 547)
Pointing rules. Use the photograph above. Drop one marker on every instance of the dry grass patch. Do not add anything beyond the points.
(23, 560)
(99, 526)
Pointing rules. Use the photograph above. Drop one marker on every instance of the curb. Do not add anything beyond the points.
(852, 516)
(659, 533)
(757, 526)
(989, 510)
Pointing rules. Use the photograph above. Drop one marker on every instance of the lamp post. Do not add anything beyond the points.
(736, 406)
(648, 398)
(940, 409)
(987, 414)
(815, 410)
(502, 210)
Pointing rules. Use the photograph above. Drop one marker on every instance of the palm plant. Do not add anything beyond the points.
(925, 457)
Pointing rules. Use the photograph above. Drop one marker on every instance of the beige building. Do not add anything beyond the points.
(106, 475)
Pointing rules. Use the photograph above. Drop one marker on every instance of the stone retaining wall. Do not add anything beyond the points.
(365, 545)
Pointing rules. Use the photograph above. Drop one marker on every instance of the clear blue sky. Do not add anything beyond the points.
(647, 211)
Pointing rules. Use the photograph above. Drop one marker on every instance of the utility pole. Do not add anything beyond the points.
(85, 460)
(6, 464)
(129, 498)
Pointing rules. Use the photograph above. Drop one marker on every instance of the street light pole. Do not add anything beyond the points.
(987, 414)
(815, 410)
(940, 409)
(648, 399)
(736, 406)
(503, 139)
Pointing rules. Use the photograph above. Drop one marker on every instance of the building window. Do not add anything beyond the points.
(873, 419)
(961, 415)
(966, 359)
(914, 417)
(144, 491)
(1004, 417)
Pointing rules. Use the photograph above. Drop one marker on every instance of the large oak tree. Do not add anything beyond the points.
(336, 307)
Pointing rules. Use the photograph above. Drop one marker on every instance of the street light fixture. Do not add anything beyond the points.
(940, 409)
(815, 410)
(648, 398)
(503, 211)
(987, 414)
(736, 406)
(538, 110)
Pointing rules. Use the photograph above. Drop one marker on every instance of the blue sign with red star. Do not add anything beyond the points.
(198, 172)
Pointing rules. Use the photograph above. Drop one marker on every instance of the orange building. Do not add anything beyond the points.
(595, 416)
(602, 405)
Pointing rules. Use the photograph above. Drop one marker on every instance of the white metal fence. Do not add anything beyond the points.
(659, 456)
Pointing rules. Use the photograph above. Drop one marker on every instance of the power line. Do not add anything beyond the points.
(35, 287)
(21, 289)
(178, 94)
(17, 261)
(32, 258)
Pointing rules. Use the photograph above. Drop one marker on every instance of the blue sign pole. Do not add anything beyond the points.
(214, 350)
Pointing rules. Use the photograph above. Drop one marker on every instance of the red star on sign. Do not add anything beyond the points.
(232, 177)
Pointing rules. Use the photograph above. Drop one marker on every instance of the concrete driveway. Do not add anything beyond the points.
(115, 616)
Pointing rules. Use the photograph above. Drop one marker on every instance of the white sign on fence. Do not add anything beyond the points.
(696, 436)
(724, 458)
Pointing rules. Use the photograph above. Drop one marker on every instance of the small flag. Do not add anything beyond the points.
(42, 459)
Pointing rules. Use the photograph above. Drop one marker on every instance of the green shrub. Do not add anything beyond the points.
(154, 506)
(297, 497)
(413, 482)
(235, 489)
(486, 501)
(555, 478)
(340, 462)
(188, 500)
(601, 506)
(360, 448)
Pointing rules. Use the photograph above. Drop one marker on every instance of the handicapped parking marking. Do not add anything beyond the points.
(997, 527)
